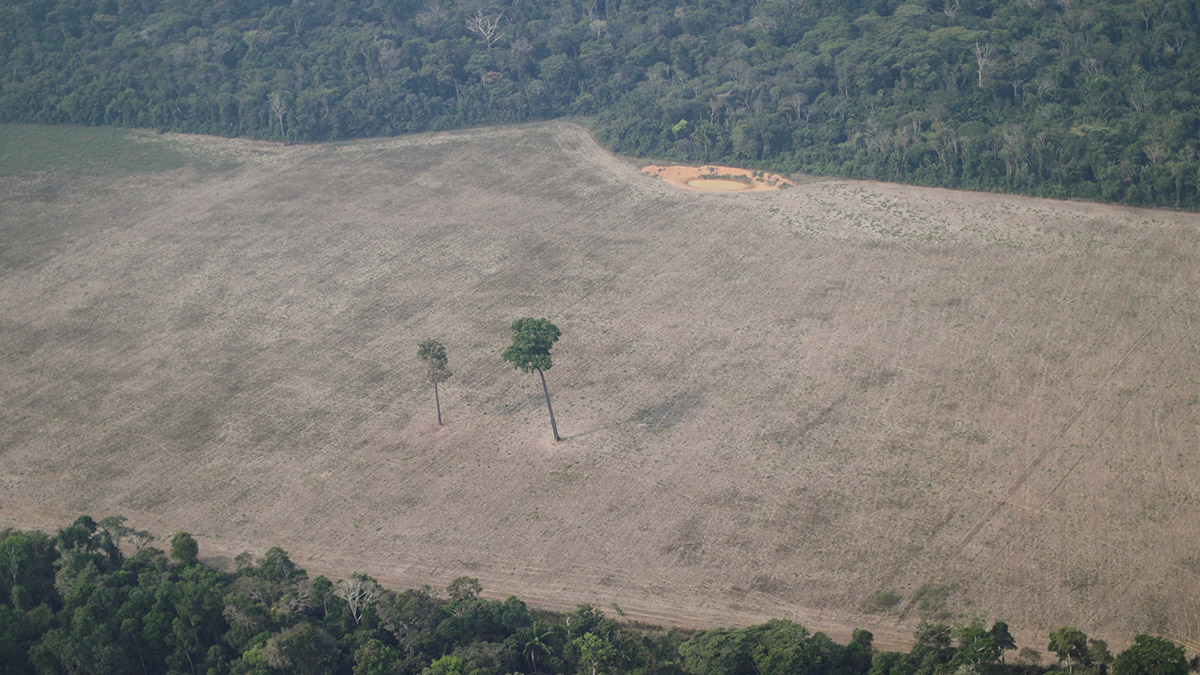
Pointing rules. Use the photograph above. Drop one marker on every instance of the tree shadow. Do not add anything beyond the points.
(669, 412)
(593, 431)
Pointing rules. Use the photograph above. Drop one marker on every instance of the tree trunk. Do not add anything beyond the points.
(438, 401)
(553, 426)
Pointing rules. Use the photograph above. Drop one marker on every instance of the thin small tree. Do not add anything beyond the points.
(433, 353)
(530, 350)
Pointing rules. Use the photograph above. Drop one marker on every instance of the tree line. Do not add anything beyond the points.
(1093, 99)
(97, 598)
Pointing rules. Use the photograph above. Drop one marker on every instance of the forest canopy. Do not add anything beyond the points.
(1087, 99)
(76, 602)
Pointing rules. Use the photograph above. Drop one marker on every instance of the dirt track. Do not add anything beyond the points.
(775, 404)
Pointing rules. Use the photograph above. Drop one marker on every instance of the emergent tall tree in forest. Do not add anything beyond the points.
(433, 353)
(530, 350)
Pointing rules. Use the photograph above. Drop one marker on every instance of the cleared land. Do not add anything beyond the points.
(718, 178)
(778, 404)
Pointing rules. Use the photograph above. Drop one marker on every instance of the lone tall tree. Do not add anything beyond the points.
(530, 350)
(433, 353)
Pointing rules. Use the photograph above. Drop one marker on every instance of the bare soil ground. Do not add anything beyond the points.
(703, 178)
(777, 404)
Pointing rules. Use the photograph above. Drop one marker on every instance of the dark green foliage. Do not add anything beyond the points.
(1099, 655)
(413, 619)
(1004, 639)
(932, 651)
(534, 643)
(777, 647)
(464, 590)
(783, 647)
(1151, 655)
(96, 612)
(531, 343)
(892, 663)
(530, 351)
(184, 549)
(717, 652)
(856, 657)
(433, 354)
(27, 569)
(78, 536)
(277, 567)
(19, 631)
(977, 647)
(1069, 644)
(376, 658)
(596, 654)
(301, 648)
(1093, 99)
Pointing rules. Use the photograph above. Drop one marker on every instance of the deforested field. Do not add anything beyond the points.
(845, 403)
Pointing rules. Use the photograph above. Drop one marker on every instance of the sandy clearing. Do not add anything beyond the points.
(709, 178)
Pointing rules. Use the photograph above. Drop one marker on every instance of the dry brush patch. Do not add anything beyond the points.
(803, 404)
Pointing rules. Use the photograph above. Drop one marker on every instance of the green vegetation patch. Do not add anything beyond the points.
(84, 151)
(882, 600)
(269, 615)
(931, 600)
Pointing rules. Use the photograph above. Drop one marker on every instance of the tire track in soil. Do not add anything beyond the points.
(567, 599)
(1023, 477)
(742, 264)
(365, 354)
(570, 375)
(1189, 621)
(682, 615)
(693, 619)
(838, 625)
(1086, 452)
(1042, 509)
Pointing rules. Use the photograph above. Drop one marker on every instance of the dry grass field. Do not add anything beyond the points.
(846, 403)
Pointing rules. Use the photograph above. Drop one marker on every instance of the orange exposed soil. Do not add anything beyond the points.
(711, 178)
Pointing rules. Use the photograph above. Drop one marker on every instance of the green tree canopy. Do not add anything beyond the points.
(184, 549)
(717, 652)
(464, 589)
(1070, 645)
(531, 343)
(977, 646)
(1151, 655)
(433, 353)
(145, 614)
(1004, 639)
(1094, 99)
(530, 351)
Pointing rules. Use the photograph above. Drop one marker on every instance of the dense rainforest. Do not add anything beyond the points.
(76, 603)
(1092, 99)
